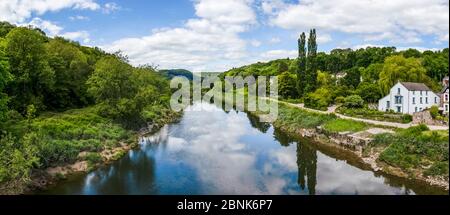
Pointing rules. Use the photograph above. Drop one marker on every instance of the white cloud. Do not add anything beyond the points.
(53, 29)
(77, 35)
(17, 11)
(78, 17)
(324, 38)
(255, 43)
(275, 40)
(210, 42)
(401, 21)
(110, 7)
(278, 54)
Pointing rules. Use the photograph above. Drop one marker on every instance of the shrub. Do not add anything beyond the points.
(320, 99)
(416, 147)
(339, 100)
(353, 101)
(17, 157)
(434, 111)
(375, 114)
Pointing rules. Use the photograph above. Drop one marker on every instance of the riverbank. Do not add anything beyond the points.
(75, 141)
(415, 153)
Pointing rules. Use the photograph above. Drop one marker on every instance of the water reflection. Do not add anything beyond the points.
(307, 167)
(213, 152)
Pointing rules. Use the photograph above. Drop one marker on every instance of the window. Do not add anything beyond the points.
(421, 100)
(399, 109)
(421, 93)
(388, 105)
(417, 109)
(446, 108)
(426, 100)
(435, 100)
(414, 100)
(398, 100)
(414, 92)
(446, 97)
(426, 93)
(398, 90)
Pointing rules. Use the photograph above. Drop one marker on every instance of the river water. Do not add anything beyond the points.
(215, 152)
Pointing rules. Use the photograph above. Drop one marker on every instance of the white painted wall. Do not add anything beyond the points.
(412, 101)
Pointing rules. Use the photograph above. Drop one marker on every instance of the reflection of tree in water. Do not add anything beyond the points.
(282, 138)
(306, 160)
(307, 167)
(256, 123)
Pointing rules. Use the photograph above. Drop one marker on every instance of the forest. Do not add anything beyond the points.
(321, 79)
(58, 99)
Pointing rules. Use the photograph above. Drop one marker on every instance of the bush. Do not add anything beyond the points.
(339, 100)
(434, 111)
(17, 157)
(320, 99)
(375, 114)
(353, 101)
(416, 147)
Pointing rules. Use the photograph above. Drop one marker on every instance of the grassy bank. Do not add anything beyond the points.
(58, 139)
(416, 152)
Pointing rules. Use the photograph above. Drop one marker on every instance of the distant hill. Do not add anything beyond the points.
(171, 73)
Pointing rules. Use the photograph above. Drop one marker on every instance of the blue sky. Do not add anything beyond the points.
(213, 35)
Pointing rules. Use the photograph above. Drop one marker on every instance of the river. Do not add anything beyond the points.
(217, 152)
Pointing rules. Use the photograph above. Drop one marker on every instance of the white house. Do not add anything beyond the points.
(409, 98)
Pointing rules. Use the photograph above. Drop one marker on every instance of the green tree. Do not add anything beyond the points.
(287, 85)
(301, 70)
(398, 68)
(370, 92)
(371, 74)
(311, 64)
(324, 79)
(411, 53)
(353, 101)
(5, 28)
(353, 78)
(110, 81)
(319, 99)
(71, 73)
(5, 77)
(436, 64)
(33, 77)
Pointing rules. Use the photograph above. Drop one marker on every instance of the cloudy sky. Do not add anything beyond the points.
(216, 35)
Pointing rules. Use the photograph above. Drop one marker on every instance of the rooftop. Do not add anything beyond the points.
(415, 86)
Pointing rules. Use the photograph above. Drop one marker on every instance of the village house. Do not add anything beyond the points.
(409, 98)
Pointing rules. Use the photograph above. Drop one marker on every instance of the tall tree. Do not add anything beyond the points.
(33, 77)
(5, 77)
(398, 68)
(311, 65)
(301, 70)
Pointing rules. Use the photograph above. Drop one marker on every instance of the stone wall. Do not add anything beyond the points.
(425, 117)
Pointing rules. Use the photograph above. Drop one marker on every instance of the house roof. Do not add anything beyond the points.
(415, 86)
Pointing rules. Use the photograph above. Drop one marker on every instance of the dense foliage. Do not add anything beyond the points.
(58, 98)
(416, 147)
(326, 78)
